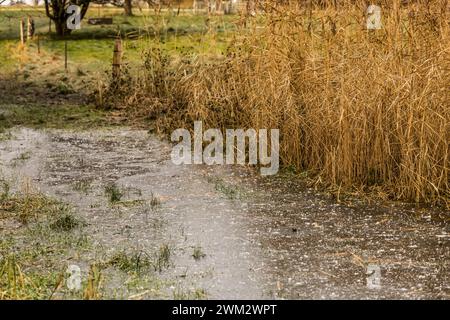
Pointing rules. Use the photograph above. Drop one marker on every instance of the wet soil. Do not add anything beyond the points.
(231, 232)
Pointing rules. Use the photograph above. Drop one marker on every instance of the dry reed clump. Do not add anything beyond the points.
(360, 109)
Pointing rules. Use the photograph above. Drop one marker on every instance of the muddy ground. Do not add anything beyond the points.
(225, 232)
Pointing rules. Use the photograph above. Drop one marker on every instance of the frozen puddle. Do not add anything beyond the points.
(232, 233)
(200, 226)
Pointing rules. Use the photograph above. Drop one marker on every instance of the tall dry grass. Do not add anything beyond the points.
(357, 108)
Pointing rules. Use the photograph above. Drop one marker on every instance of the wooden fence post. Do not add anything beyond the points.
(30, 28)
(117, 58)
(65, 55)
(22, 27)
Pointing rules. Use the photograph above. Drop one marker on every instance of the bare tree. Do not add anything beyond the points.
(56, 11)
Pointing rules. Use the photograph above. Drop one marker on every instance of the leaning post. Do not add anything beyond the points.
(117, 58)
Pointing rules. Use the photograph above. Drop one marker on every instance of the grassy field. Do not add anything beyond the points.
(91, 47)
(89, 52)
(143, 21)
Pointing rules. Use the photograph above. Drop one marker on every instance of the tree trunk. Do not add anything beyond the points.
(128, 8)
(61, 28)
